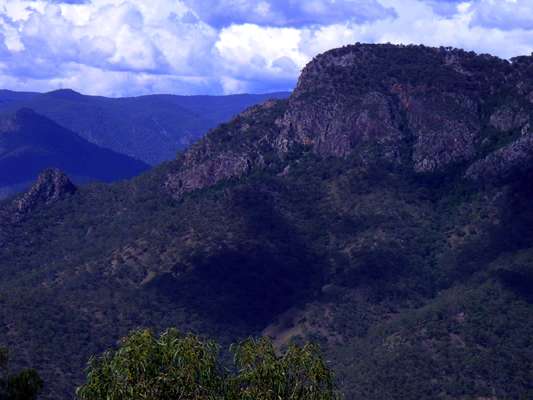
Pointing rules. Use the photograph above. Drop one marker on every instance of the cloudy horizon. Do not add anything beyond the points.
(135, 47)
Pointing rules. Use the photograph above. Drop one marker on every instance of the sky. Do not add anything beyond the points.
(134, 47)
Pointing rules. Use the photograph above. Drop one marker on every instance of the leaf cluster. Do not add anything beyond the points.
(178, 366)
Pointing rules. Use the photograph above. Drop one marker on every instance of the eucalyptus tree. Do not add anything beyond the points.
(177, 366)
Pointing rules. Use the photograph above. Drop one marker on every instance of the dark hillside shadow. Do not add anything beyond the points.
(265, 270)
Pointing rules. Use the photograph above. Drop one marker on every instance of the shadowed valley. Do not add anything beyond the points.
(382, 210)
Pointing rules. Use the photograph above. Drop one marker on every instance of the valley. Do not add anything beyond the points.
(383, 210)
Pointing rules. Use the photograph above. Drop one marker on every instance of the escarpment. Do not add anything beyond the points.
(383, 211)
(230, 151)
(426, 110)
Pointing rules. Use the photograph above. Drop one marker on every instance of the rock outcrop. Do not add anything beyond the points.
(229, 151)
(504, 165)
(51, 185)
(428, 110)
(362, 213)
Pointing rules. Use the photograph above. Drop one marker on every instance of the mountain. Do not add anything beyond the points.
(383, 210)
(8, 97)
(150, 128)
(30, 143)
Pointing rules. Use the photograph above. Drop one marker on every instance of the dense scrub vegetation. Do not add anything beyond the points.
(416, 285)
(406, 285)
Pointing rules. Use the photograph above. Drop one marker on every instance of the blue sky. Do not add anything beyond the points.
(133, 47)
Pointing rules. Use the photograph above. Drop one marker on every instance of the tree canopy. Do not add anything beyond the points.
(23, 385)
(178, 366)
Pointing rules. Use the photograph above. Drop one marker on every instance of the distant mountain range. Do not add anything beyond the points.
(30, 143)
(384, 210)
(149, 128)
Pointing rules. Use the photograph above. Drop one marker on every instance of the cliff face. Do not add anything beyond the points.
(230, 151)
(383, 211)
(429, 110)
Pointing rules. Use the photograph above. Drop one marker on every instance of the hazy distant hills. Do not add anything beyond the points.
(30, 143)
(383, 210)
(150, 128)
(8, 97)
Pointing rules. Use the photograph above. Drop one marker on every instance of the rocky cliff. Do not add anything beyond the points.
(384, 211)
(51, 185)
(429, 110)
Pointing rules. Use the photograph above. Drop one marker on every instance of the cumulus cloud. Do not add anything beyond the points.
(130, 47)
(444, 7)
(504, 14)
(294, 13)
(69, 1)
(500, 14)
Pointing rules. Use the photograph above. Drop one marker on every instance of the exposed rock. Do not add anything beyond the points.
(51, 185)
(220, 167)
(334, 127)
(366, 98)
(423, 108)
(229, 151)
(504, 165)
(507, 118)
(405, 284)
(445, 126)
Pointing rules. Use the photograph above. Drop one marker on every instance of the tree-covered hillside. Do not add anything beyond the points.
(149, 128)
(383, 211)
(30, 143)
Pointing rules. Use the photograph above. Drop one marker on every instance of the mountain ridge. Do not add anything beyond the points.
(151, 128)
(344, 215)
(395, 114)
(30, 143)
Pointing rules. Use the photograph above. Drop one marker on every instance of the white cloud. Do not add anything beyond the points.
(117, 47)
(251, 49)
(503, 14)
(283, 13)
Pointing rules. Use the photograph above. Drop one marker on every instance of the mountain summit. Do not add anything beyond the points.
(383, 210)
(51, 185)
(429, 110)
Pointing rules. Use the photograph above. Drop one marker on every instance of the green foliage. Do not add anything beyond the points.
(298, 374)
(176, 366)
(172, 366)
(458, 347)
(415, 286)
(24, 385)
(244, 252)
